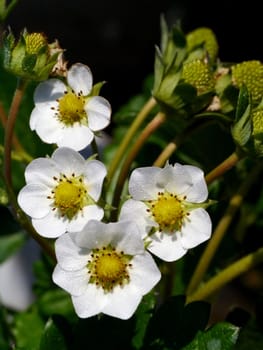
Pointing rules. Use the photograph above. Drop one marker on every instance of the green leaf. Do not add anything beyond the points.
(56, 301)
(28, 328)
(250, 337)
(9, 244)
(174, 324)
(242, 127)
(221, 336)
(242, 103)
(4, 330)
(143, 314)
(52, 337)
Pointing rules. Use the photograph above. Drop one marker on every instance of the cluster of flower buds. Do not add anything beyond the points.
(190, 79)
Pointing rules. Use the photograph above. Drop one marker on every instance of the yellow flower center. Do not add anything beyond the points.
(34, 42)
(71, 109)
(69, 196)
(168, 211)
(109, 268)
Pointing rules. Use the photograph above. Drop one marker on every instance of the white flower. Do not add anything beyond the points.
(61, 192)
(65, 114)
(105, 268)
(167, 206)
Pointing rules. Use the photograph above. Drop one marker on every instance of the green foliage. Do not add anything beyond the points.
(175, 324)
(52, 337)
(9, 244)
(221, 336)
(27, 329)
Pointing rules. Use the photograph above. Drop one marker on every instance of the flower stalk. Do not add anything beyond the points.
(17, 98)
(153, 125)
(176, 142)
(228, 274)
(142, 115)
(9, 131)
(222, 168)
(220, 230)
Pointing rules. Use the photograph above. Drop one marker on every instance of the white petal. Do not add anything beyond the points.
(93, 235)
(69, 256)
(197, 229)
(126, 237)
(198, 192)
(122, 302)
(144, 273)
(77, 137)
(142, 184)
(51, 226)
(34, 118)
(91, 302)
(42, 171)
(74, 282)
(176, 179)
(46, 125)
(69, 161)
(98, 110)
(94, 183)
(33, 200)
(167, 247)
(90, 212)
(137, 212)
(80, 78)
(49, 91)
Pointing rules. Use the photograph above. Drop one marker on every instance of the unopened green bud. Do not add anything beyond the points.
(31, 57)
(249, 73)
(198, 74)
(205, 36)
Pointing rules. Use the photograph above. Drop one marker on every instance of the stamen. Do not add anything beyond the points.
(108, 268)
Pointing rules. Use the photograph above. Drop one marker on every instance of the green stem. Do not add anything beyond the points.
(221, 229)
(17, 145)
(176, 142)
(142, 115)
(153, 125)
(9, 130)
(227, 164)
(228, 274)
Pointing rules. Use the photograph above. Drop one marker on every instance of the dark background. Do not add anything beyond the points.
(116, 38)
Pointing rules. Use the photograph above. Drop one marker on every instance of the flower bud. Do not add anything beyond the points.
(198, 74)
(206, 37)
(31, 57)
(249, 73)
